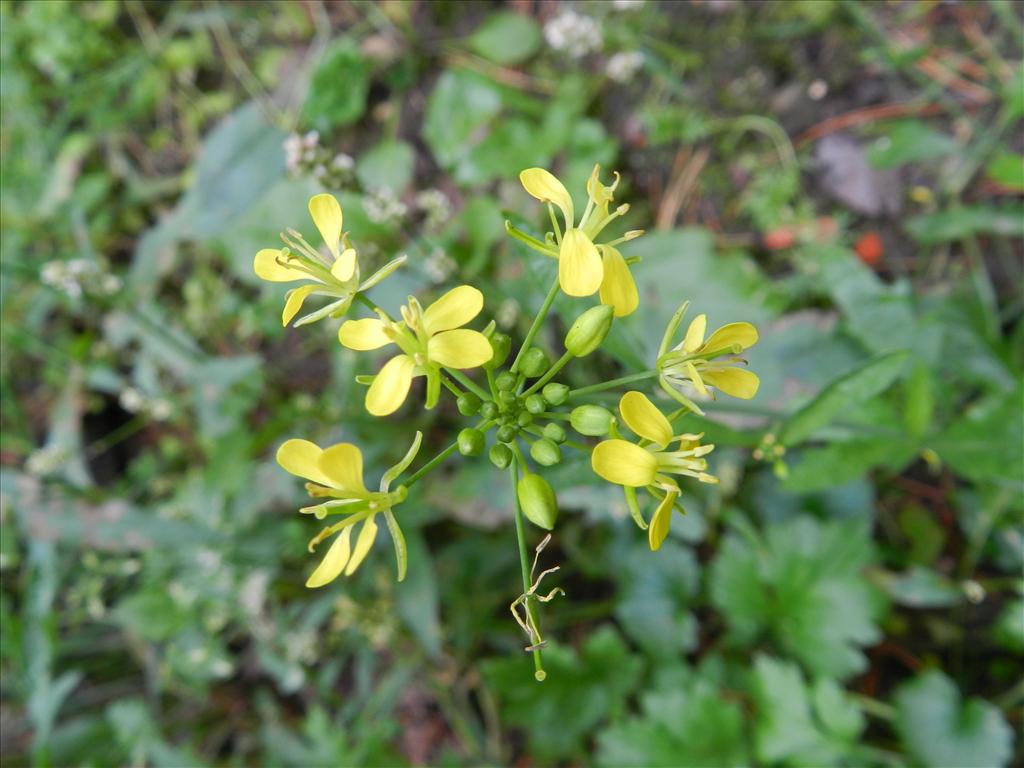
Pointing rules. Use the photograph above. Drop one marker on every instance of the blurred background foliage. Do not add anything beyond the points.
(847, 176)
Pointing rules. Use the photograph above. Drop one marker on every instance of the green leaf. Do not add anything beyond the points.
(338, 88)
(389, 164)
(692, 724)
(802, 588)
(506, 38)
(581, 691)
(460, 105)
(940, 730)
(1007, 169)
(845, 392)
(923, 588)
(987, 439)
(909, 141)
(151, 614)
(963, 221)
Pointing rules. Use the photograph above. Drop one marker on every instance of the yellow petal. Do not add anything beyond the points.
(658, 529)
(695, 379)
(302, 459)
(363, 545)
(293, 301)
(617, 287)
(598, 192)
(362, 335)
(546, 188)
(738, 382)
(731, 336)
(267, 267)
(624, 463)
(334, 561)
(326, 213)
(391, 386)
(579, 265)
(461, 348)
(695, 333)
(643, 417)
(453, 310)
(343, 463)
(345, 265)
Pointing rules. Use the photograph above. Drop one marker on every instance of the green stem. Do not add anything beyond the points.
(468, 383)
(431, 465)
(552, 372)
(613, 383)
(450, 386)
(490, 383)
(529, 241)
(524, 564)
(537, 322)
(369, 303)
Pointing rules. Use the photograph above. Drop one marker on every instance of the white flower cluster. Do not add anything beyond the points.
(573, 33)
(624, 65)
(304, 155)
(627, 5)
(78, 276)
(47, 460)
(439, 266)
(382, 205)
(134, 401)
(436, 207)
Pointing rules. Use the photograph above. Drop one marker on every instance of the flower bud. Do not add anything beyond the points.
(505, 381)
(471, 442)
(507, 398)
(524, 419)
(545, 452)
(537, 499)
(534, 363)
(555, 393)
(489, 410)
(589, 330)
(591, 420)
(507, 433)
(500, 455)
(501, 344)
(536, 404)
(468, 404)
(555, 432)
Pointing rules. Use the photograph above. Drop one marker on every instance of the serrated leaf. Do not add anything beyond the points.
(845, 392)
(940, 729)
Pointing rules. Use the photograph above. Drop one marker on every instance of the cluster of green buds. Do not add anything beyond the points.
(522, 414)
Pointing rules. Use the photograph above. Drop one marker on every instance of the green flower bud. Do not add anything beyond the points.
(555, 393)
(507, 433)
(524, 419)
(468, 404)
(537, 499)
(534, 363)
(589, 330)
(591, 420)
(507, 398)
(554, 432)
(489, 410)
(500, 455)
(536, 404)
(505, 381)
(545, 452)
(502, 345)
(471, 442)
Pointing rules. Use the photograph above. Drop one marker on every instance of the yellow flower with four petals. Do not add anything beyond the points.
(336, 474)
(429, 339)
(648, 464)
(336, 275)
(584, 268)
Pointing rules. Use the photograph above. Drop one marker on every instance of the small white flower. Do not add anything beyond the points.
(343, 162)
(382, 206)
(573, 33)
(627, 5)
(624, 65)
(439, 265)
(132, 400)
(160, 409)
(46, 461)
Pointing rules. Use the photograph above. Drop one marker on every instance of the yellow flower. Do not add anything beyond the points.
(429, 339)
(703, 363)
(584, 267)
(647, 464)
(336, 473)
(336, 276)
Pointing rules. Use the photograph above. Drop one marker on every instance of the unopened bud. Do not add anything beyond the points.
(500, 455)
(468, 404)
(501, 344)
(471, 442)
(507, 433)
(536, 404)
(555, 393)
(589, 330)
(537, 500)
(556, 432)
(505, 381)
(489, 410)
(524, 419)
(534, 363)
(591, 420)
(545, 452)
